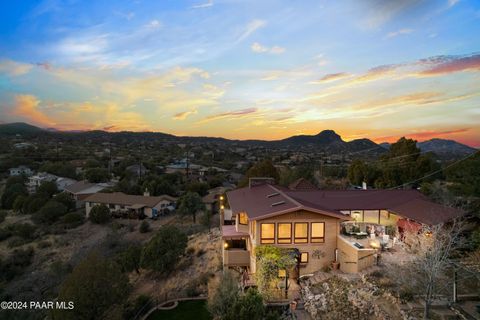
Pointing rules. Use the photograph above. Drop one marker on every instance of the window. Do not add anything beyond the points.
(318, 232)
(301, 232)
(242, 218)
(304, 257)
(284, 233)
(267, 233)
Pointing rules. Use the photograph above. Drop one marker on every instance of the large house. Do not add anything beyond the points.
(82, 189)
(321, 225)
(121, 204)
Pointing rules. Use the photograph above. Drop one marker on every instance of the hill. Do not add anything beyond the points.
(19, 128)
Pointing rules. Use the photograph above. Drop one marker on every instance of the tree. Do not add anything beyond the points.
(162, 252)
(49, 188)
(144, 227)
(190, 203)
(250, 306)
(100, 214)
(96, 175)
(223, 295)
(465, 177)
(34, 202)
(198, 187)
(19, 203)
(94, 285)
(270, 260)
(206, 219)
(432, 249)
(50, 212)
(129, 259)
(264, 168)
(12, 191)
(66, 200)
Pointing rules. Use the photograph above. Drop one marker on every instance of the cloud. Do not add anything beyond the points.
(258, 48)
(153, 24)
(398, 32)
(423, 135)
(251, 27)
(332, 77)
(231, 114)
(451, 3)
(376, 73)
(450, 64)
(184, 115)
(13, 68)
(203, 5)
(26, 106)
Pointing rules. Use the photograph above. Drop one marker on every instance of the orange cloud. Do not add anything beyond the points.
(232, 114)
(184, 115)
(332, 77)
(26, 106)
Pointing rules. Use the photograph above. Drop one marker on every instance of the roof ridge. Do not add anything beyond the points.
(298, 204)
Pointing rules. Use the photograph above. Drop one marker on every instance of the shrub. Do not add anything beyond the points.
(23, 230)
(144, 227)
(65, 199)
(200, 252)
(16, 262)
(44, 244)
(3, 214)
(140, 306)
(73, 220)
(190, 250)
(406, 294)
(4, 234)
(100, 214)
(50, 212)
(162, 252)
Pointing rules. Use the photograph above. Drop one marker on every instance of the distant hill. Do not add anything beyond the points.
(444, 147)
(326, 141)
(19, 128)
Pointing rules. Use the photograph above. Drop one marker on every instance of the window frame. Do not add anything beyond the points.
(267, 240)
(295, 238)
(315, 239)
(283, 240)
(240, 219)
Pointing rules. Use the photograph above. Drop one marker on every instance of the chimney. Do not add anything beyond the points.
(364, 185)
(146, 193)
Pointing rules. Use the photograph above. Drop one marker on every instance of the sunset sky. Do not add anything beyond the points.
(245, 69)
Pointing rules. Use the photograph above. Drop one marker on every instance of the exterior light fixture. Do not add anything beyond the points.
(282, 273)
(221, 198)
(225, 245)
(222, 207)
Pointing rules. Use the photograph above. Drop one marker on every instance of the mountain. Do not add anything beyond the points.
(365, 145)
(21, 128)
(445, 148)
(327, 139)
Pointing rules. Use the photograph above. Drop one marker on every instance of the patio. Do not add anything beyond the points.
(364, 235)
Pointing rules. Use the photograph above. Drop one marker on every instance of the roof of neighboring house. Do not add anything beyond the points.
(127, 199)
(79, 186)
(267, 200)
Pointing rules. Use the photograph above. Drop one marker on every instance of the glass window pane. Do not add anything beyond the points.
(318, 231)
(267, 233)
(301, 232)
(284, 233)
(304, 257)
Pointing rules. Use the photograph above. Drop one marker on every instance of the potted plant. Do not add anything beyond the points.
(335, 265)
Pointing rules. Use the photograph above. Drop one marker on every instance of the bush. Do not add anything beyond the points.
(73, 220)
(65, 199)
(140, 306)
(3, 214)
(50, 212)
(100, 214)
(4, 234)
(23, 230)
(16, 262)
(406, 294)
(44, 244)
(144, 227)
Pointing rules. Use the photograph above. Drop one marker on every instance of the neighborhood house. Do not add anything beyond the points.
(121, 204)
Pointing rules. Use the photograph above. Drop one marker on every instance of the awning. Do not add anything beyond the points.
(229, 232)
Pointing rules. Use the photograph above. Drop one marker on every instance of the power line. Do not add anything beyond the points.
(435, 172)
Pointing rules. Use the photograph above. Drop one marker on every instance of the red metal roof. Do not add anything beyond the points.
(266, 200)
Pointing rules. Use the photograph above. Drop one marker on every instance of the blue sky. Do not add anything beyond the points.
(245, 69)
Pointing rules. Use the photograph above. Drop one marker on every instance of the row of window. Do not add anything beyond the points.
(298, 232)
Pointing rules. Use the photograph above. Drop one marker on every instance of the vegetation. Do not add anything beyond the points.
(185, 310)
(189, 204)
(129, 260)
(96, 175)
(161, 253)
(51, 212)
(144, 227)
(264, 168)
(222, 296)
(100, 214)
(94, 285)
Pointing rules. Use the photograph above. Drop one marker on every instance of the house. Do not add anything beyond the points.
(82, 189)
(62, 183)
(121, 204)
(36, 180)
(20, 171)
(311, 221)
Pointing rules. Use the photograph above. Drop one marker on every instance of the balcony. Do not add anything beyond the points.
(236, 258)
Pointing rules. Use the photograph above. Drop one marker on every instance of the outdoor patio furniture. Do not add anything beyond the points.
(360, 235)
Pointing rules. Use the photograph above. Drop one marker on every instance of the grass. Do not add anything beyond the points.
(186, 310)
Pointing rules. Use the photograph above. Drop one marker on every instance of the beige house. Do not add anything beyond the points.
(121, 204)
(322, 226)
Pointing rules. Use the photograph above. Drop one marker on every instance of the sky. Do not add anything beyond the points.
(245, 69)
